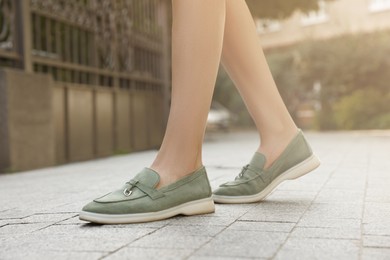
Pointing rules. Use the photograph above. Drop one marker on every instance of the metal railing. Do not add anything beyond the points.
(110, 64)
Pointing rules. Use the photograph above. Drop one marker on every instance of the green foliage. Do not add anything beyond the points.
(381, 121)
(120, 152)
(354, 75)
(363, 109)
(347, 63)
(280, 9)
(7, 170)
(348, 68)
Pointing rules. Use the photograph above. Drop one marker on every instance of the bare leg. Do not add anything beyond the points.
(244, 60)
(197, 35)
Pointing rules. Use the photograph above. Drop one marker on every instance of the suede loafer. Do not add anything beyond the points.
(254, 182)
(139, 200)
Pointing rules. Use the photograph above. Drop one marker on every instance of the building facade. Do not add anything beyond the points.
(81, 79)
(333, 18)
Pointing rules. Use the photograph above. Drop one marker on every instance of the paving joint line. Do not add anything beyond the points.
(53, 224)
(54, 213)
(307, 208)
(116, 250)
(207, 242)
(268, 221)
(16, 218)
(378, 247)
(4, 210)
(364, 202)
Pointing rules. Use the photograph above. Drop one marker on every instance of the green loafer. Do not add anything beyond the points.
(254, 182)
(139, 201)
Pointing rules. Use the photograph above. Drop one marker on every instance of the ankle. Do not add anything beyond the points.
(274, 145)
(172, 171)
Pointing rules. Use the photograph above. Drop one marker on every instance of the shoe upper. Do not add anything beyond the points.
(254, 178)
(140, 195)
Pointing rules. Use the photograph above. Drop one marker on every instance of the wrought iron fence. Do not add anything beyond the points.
(104, 56)
(8, 54)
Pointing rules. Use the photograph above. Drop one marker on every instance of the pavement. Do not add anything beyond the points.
(339, 211)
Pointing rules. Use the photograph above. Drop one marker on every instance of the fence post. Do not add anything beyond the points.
(23, 30)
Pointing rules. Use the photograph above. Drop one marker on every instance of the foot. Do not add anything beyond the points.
(274, 146)
(172, 175)
(139, 200)
(173, 168)
(255, 181)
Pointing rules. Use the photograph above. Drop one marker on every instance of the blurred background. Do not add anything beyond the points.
(84, 79)
(330, 60)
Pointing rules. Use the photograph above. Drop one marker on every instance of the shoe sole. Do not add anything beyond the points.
(297, 171)
(196, 207)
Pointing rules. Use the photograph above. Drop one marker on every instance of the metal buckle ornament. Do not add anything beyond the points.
(127, 192)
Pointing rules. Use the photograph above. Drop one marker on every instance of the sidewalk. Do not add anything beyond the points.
(339, 211)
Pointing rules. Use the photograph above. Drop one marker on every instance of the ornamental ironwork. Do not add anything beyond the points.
(98, 42)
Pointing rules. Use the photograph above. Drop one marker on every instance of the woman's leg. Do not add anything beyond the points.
(281, 142)
(197, 36)
(244, 60)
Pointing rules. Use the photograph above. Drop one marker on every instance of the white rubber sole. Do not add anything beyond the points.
(196, 207)
(295, 172)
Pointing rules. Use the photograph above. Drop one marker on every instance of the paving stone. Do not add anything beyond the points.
(376, 241)
(72, 221)
(378, 194)
(232, 210)
(276, 211)
(376, 254)
(292, 196)
(3, 223)
(312, 248)
(42, 218)
(45, 254)
(377, 212)
(310, 221)
(171, 242)
(12, 221)
(196, 257)
(203, 221)
(318, 216)
(302, 184)
(178, 231)
(335, 211)
(378, 178)
(375, 228)
(21, 229)
(140, 253)
(267, 216)
(15, 213)
(92, 230)
(73, 242)
(281, 205)
(340, 233)
(340, 196)
(262, 226)
(155, 224)
(277, 217)
(72, 207)
(235, 243)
